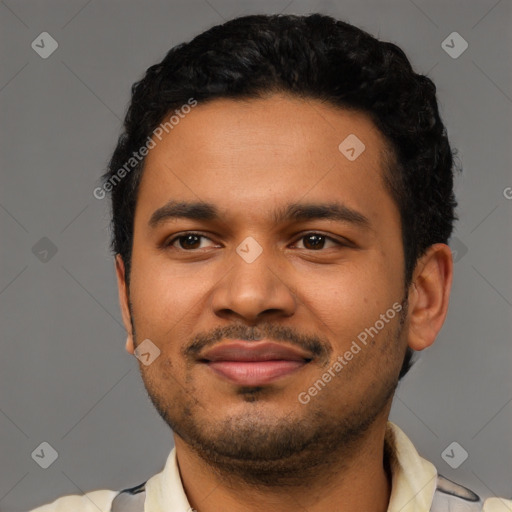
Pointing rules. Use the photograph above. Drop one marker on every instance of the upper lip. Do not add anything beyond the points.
(254, 351)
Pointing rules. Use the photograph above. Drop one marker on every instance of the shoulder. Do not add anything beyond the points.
(497, 505)
(453, 497)
(100, 501)
(94, 501)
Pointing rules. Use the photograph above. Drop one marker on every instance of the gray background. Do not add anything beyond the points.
(65, 377)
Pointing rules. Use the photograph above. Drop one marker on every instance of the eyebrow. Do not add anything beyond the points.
(201, 210)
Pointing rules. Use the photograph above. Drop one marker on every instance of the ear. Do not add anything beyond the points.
(124, 301)
(429, 295)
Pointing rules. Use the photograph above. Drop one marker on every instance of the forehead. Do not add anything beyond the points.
(249, 156)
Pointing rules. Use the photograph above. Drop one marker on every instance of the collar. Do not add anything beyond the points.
(413, 479)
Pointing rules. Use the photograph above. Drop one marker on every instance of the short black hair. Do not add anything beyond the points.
(317, 57)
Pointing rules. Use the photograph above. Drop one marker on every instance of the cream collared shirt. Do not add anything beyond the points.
(415, 488)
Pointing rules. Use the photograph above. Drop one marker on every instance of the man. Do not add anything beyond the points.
(282, 201)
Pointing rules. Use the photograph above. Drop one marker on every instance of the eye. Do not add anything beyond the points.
(316, 241)
(191, 241)
(187, 241)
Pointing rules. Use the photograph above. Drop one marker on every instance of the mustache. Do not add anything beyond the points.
(319, 346)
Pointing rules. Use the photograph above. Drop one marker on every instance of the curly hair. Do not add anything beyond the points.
(317, 57)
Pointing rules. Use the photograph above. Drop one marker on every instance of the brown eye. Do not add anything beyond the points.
(188, 242)
(316, 241)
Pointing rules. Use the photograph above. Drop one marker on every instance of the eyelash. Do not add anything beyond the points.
(169, 243)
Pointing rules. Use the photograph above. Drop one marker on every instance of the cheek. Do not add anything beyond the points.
(349, 299)
(162, 298)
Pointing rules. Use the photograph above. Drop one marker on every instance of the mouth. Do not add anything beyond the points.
(254, 363)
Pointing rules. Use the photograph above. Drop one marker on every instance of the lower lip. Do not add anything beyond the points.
(254, 373)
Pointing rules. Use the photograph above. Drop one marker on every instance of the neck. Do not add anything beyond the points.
(351, 482)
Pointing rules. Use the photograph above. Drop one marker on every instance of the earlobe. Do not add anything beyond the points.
(429, 295)
(129, 344)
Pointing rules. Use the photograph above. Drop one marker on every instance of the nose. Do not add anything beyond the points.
(254, 291)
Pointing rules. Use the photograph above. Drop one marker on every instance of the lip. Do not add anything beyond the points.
(254, 363)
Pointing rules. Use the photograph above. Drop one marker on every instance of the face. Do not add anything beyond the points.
(276, 304)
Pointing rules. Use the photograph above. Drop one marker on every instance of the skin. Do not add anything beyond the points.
(249, 158)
